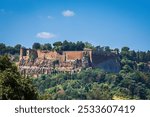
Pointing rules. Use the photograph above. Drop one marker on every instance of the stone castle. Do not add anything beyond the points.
(37, 62)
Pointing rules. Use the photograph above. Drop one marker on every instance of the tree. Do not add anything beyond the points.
(9, 49)
(140, 66)
(36, 46)
(17, 48)
(142, 56)
(57, 45)
(46, 46)
(12, 85)
(88, 45)
(65, 45)
(148, 56)
(2, 46)
(127, 68)
(72, 46)
(80, 45)
(99, 92)
(116, 50)
(132, 55)
(107, 49)
(125, 51)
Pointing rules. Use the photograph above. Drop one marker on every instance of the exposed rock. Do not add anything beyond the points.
(110, 65)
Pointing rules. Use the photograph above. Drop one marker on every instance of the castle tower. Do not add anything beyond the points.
(21, 53)
(89, 52)
(28, 53)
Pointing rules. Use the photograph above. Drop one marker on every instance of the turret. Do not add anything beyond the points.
(89, 52)
(21, 53)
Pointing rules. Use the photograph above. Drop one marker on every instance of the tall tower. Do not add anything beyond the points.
(28, 53)
(89, 52)
(21, 53)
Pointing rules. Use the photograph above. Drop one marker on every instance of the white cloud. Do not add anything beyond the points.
(45, 35)
(68, 13)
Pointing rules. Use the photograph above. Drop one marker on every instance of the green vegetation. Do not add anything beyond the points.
(94, 84)
(12, 85)
(60, 46)
(132, 81)
(9, 49)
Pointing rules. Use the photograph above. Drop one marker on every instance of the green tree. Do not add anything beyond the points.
(107, 49)
(116, 50)
(2, 48)
(65, 45)
(148, 56)
(142, 56)
(36, 46)
(17, 48)
(88, 45)
(46, 46)
(57, 45)
(80, 45)
(12, 85)
(125, 52)
(99, 92)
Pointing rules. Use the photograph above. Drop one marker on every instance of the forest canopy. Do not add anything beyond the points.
(131, 82)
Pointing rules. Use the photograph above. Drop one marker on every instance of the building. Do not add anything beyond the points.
(37, 62)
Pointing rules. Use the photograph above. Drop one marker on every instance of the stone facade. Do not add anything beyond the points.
(37, 62)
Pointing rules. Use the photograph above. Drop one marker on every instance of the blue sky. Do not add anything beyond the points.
(114, 23)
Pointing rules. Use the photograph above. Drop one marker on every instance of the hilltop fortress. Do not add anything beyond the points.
(36, 62)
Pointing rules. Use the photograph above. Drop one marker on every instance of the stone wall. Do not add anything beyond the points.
(73, 55)
(37, 62)
(53, 55)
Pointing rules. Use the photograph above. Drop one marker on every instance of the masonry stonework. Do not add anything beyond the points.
(37, 62)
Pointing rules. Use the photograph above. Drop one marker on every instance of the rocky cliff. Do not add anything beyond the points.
(109, 63)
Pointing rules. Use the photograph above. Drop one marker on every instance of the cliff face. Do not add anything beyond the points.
(109, 63)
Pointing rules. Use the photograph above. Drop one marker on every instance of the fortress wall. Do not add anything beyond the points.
(60, 57)
(73, 55)
(66, 59)
(40, 54)
(51, 55)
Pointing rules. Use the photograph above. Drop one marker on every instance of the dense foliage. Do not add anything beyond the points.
(125, 53)
(132, 81)
(94, 84)
(12, 85)
(9, 49)
(60, 46)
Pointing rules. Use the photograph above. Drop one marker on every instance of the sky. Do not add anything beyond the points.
(114, 23)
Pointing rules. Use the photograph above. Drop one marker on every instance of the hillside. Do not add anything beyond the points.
(106, 73)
